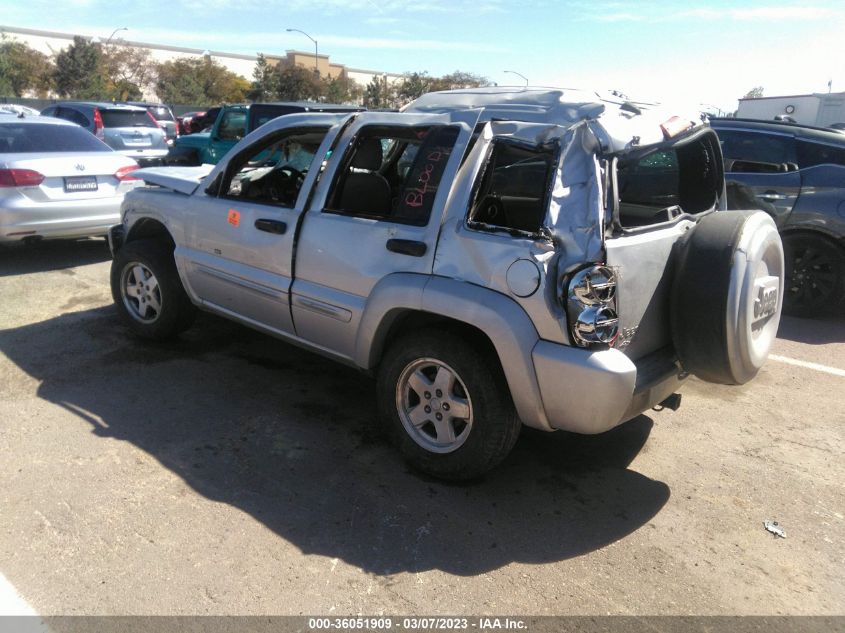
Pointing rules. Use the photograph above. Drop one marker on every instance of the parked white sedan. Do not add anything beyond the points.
(58, 180)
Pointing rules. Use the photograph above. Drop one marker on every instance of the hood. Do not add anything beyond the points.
(180, 179)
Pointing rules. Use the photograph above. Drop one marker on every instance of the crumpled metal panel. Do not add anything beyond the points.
(573, 227)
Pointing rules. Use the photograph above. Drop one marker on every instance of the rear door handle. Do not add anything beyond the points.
(772, 195)
(407, 247)
(271, 226)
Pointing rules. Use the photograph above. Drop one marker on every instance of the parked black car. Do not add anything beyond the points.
(795, 173)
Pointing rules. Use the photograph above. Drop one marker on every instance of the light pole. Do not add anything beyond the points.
(513, 72)
(316, 56)
(97, 40)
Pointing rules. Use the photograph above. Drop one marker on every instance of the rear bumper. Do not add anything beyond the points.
(590, 392)
(78, 218)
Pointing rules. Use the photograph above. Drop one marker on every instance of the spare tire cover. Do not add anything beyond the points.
(727, 295)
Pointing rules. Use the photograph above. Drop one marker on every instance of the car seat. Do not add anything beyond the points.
(365, 190)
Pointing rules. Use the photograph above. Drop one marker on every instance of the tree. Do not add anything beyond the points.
(295, 83)
(754, 93)
(79, 73)
(379, 94)
(200, 82)
(23, 69)
(458, 79)
(414, 85)
(341, 90)
(129, 72)
(265, 82)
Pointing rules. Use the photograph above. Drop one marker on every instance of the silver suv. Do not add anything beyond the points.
(493, 257)
(130, 130)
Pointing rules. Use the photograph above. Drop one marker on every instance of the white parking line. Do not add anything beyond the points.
(11, 602)
(834, 371)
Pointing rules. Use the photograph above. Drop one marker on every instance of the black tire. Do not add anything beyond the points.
(815, 275)
(726, 296)
(174, 312)
(493, 426)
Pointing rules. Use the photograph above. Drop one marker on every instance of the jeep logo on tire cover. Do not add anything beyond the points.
(766, 299)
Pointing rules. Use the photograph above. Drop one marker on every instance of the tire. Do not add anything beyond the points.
(147, 290)
(815, 273)
(413, 369)
(726, 296)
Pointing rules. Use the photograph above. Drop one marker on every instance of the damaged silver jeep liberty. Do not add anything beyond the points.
(495, 257)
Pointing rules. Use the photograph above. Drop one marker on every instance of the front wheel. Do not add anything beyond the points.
(447, 405)
(147, 290)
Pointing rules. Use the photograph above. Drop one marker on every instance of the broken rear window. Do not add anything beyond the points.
(513, 190)
(664, 183)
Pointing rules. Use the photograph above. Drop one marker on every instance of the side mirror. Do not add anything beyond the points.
(213, 188)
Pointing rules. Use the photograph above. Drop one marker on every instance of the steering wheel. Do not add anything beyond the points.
(281, 184)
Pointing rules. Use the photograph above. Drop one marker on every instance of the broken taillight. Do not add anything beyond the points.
(591, 306)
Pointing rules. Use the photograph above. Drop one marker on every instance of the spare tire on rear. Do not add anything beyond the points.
(727, 295)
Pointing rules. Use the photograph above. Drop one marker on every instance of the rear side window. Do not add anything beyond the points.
(260, 114)
(812, 154)
(126, 118)
(232, 127)
(513, 192)
(74, 116)
(160, 113)
(757, 152)
(34, 137)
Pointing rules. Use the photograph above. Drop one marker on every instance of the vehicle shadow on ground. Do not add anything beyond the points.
(18, 258)
(812, 331)
(292, 439)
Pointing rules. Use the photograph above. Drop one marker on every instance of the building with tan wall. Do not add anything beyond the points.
(52, 42)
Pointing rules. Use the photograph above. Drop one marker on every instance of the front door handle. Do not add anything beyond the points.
(271, 226)
(407, 247)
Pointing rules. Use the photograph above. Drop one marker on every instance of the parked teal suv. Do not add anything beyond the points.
(232, 124)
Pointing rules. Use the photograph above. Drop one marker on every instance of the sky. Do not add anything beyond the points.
(694, 53)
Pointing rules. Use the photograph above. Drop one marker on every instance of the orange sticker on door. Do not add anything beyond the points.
(234, 217)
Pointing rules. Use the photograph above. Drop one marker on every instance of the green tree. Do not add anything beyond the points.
(295, 83)
(414, 85)
(79, 71)
(754, 93)
(379, 94)
(458, 79)
(265, 80)
(200, 82)
(23, 69)
(341, 90)
(129, 71)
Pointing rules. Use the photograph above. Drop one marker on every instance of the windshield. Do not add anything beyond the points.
(42, 138)
(127, 118)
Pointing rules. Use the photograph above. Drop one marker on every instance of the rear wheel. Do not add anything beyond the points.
(815, 271)
(147, 290)
(447, 405)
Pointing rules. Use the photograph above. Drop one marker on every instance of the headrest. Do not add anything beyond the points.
(368, 155)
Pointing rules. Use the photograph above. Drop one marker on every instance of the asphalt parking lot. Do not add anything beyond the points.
(229, 473)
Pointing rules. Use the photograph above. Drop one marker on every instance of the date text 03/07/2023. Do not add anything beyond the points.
(387, 623)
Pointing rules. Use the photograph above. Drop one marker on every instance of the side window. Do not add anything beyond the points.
(273, 171)
(750, 152)
(75, 117)
(513, 191)
(51, 111)
(233, 126)
(393, 173)
(812, 154)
